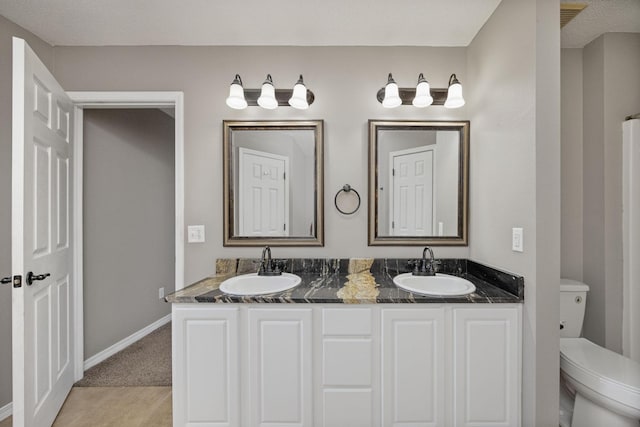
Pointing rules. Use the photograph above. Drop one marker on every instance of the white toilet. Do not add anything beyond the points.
(605, 384)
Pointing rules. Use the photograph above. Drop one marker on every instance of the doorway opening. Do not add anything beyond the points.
(122, 194)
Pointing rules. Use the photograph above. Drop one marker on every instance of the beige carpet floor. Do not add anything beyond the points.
(144, 363)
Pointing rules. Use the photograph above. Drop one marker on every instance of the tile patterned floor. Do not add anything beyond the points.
(114, 407)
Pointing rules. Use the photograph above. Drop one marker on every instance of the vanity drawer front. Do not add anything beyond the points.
(348, 407)
(347, 362)
(346, 321)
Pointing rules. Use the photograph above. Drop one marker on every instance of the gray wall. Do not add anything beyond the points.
(7, 30)
(593, 181)
(345, 99)
(572, 160)
(129, 222)
(447, 181)
(513, 99)
(611, 92)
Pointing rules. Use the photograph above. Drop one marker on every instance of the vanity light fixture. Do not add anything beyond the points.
(454, 94)
(391, 94)
(422, 95)
(299, 97)
(268, 96)
(236, 95)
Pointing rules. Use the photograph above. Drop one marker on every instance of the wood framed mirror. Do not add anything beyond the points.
(273, 175)
(418, 183)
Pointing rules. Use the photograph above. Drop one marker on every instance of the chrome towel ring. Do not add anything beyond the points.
(347, 189)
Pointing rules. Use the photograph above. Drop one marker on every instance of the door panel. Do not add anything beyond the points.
(413, 191)
(41, 217)
(264, 202)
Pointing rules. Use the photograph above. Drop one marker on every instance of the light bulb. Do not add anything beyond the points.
(391, 95)
(236, 95)
(454, 94)
(423, 93)
(299, 97)
(267, 98)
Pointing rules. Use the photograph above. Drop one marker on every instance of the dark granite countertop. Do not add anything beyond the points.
(355, 281)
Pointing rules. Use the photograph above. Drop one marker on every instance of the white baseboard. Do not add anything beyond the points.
(6, 411)
(120, 345)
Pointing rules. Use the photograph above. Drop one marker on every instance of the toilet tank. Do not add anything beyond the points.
(573, 298)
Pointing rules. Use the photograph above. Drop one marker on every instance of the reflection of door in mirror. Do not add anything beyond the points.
(418, 182)
(273, 183)
(412, 188)
(264, 196)
(418, 177)
(269, 207)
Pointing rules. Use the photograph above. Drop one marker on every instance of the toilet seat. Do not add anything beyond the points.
(614, 377)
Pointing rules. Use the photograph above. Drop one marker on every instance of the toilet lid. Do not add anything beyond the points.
(569, 285)
(604, 371)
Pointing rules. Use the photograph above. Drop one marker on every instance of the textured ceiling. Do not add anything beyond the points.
(290, 22)
(252, 22)
(599, 17)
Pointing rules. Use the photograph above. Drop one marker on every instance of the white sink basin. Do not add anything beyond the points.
(440, 284)
(252, 284)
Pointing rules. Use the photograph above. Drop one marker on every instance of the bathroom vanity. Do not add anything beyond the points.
(348, 348)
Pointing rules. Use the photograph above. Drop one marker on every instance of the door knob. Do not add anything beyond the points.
(32, 277)
(5, 280)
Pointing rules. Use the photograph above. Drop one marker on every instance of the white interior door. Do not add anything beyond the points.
(41, 241)
(412, 198)
(264, 194)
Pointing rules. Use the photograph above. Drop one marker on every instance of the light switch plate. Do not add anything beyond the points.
(195, 234)
(517, 240)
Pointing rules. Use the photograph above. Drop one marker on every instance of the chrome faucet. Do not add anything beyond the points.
(424, 266)
(269, 267)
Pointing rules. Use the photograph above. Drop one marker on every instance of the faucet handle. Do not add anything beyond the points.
(279, 265)
(413, 264)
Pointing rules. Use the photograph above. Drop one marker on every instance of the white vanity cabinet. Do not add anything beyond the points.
(338, 365)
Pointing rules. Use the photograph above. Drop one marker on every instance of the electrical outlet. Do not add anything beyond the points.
(517, 240)
(160, 293)
(195, 234)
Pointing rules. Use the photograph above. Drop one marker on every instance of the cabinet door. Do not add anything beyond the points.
(486, 361)
(280, 370)
(205, 366)
(413, 388)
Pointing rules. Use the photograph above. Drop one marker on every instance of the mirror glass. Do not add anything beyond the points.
(418, 182)
(273, 183)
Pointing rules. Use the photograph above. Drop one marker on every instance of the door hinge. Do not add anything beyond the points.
(284, 227)
(17, 281)
(393, 172)
(284, 175)
(393, 224)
